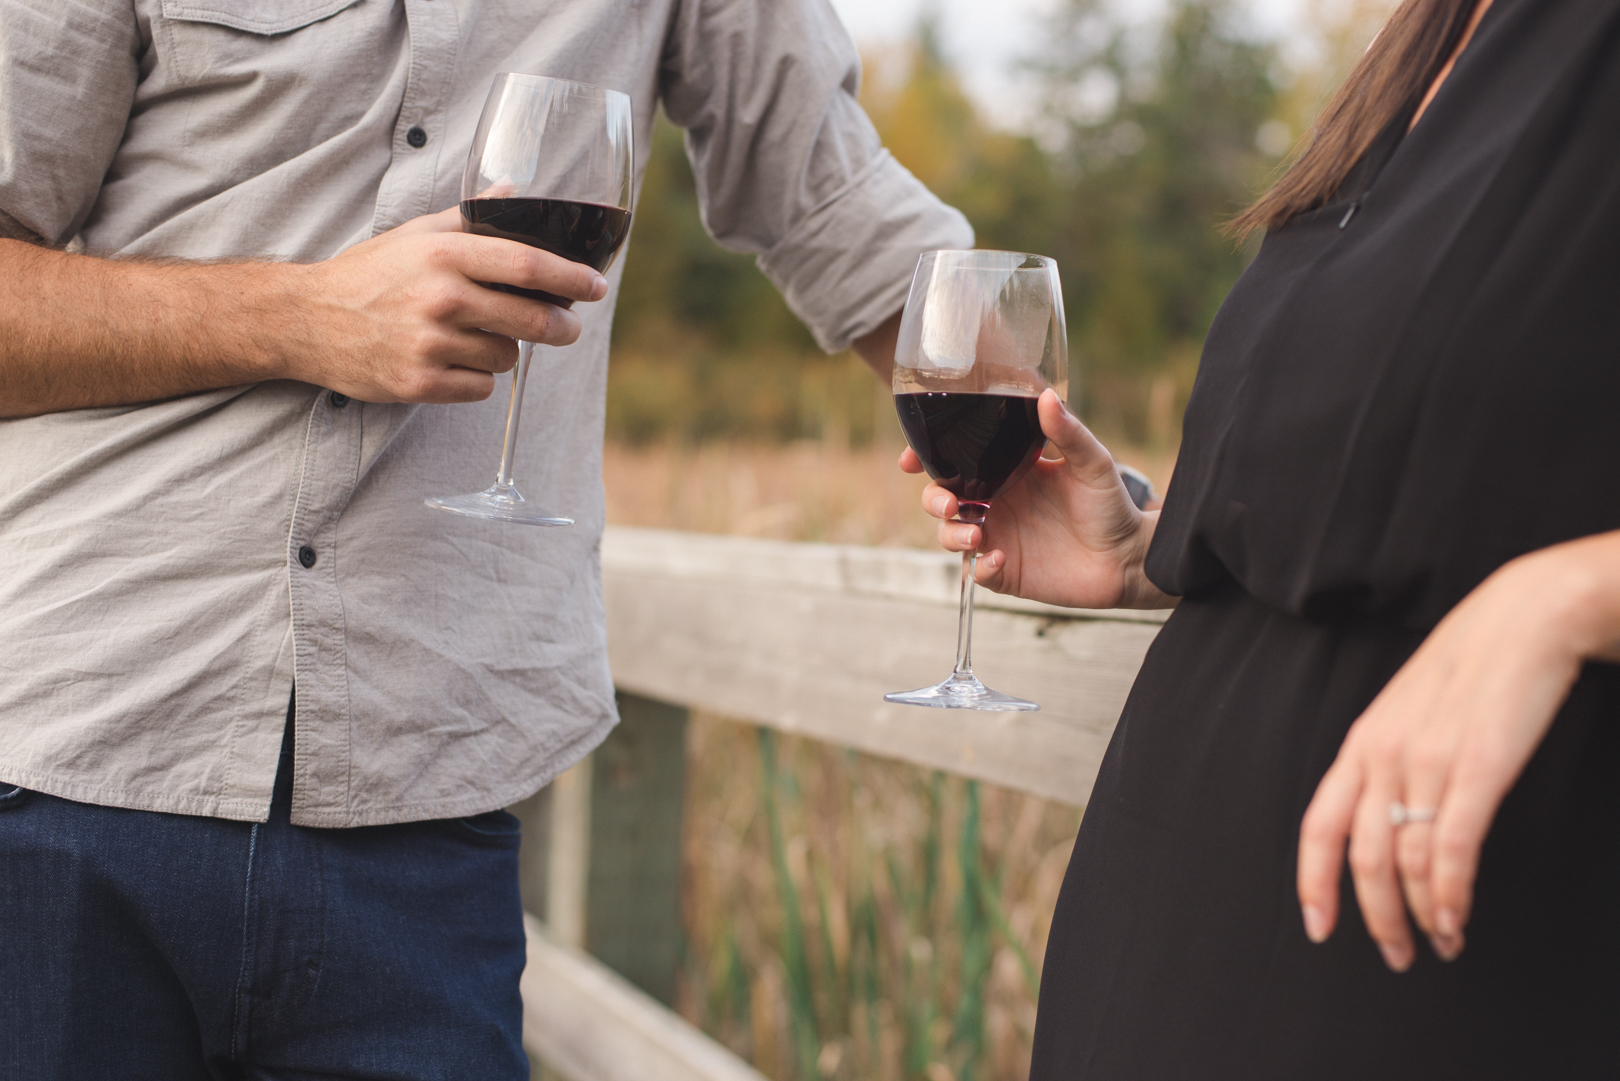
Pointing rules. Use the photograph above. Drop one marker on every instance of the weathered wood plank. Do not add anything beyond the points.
(807, 638)
(587, 1023)
(895, 573)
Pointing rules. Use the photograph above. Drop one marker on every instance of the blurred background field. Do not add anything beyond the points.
(845, 916)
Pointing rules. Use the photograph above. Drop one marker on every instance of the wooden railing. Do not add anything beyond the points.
(802, 638)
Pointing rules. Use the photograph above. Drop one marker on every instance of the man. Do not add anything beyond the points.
(223, 418)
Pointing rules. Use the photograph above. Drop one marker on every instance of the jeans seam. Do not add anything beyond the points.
(238, 1011)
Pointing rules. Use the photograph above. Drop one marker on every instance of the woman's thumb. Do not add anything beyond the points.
(1073, 440)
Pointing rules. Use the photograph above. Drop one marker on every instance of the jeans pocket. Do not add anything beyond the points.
(12, 796)
(493, 825)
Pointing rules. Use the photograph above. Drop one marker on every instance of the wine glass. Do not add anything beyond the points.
(982, 336)
(550, 166)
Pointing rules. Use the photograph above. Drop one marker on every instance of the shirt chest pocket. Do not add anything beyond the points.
(267, 17)
(224, 42)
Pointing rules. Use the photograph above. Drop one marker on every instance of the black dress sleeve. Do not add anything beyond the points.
(1420, 380)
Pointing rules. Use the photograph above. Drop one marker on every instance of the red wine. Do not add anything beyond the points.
(973, 445)
(586, 233)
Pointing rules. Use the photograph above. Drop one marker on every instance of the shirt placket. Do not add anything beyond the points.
(420, 131)
(322, 768)
(326, 483)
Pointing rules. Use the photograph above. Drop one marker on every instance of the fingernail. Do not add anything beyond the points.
(1447, 923)
(941, 504)
(599, 287)
(1396, 957)
(964, 535)
(1446, 947)
(1316, 924)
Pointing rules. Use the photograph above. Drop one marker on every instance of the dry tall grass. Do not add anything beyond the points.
(812, 491)
(846, 917)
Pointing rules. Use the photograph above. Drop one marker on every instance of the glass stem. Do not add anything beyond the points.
(964, 625)
(514, 412)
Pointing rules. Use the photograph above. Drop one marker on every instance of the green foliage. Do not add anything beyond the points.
(1128, 194)
(1145, 264)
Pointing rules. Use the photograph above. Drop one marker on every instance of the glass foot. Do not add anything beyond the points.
(961, 692)
(498, 503)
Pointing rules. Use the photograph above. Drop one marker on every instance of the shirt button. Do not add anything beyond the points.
(338, 400)
(416, 137)
(306, 556)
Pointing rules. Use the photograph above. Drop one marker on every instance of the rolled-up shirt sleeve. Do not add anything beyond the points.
(789, 167)
(68, 71)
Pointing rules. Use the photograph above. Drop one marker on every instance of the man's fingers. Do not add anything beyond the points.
(445, 386)
(491, 259)
(521, 318)
(445, 221)
(1372, 866)
(1322, 836)
(482, 351)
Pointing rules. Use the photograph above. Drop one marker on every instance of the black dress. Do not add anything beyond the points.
(1409, 387)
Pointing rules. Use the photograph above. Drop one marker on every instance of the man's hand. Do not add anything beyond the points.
(398, 318)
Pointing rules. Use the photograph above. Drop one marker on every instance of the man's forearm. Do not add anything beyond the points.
(401, 317)
(77, 331)
(877, 348)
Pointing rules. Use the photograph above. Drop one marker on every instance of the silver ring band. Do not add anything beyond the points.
(1400, 814)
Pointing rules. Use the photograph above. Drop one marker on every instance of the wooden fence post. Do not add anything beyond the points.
(638, 796)
(568, 856)
(601, 860)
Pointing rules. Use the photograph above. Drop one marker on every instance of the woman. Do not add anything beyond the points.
(1394, 534)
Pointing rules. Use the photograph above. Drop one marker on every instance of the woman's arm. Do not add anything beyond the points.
(1451, 734)
(1066, 534)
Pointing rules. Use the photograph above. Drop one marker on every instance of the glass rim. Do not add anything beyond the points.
(969, 258)
(570, 86)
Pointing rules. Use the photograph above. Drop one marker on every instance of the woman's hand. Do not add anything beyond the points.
(1450, 735)
(1067, 533)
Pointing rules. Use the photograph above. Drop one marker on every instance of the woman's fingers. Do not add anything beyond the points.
(1372, 866)
(988, 570)
(1423, 786)
(1459, 834)
(938, 502)
(958, 537)
(909, 462)
(1085, 455)
(1322, 837)
(1412, 851)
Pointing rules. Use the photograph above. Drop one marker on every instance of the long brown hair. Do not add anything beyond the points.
(1390, 77)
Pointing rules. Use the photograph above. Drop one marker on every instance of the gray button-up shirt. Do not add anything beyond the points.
(154, 611)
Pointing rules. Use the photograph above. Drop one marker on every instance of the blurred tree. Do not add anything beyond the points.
(1152, 139)
(1161, 144)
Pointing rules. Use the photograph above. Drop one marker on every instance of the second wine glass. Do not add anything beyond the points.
(982, 336)
(551, 166)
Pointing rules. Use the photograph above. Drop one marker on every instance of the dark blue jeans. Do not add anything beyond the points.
(141, 946)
